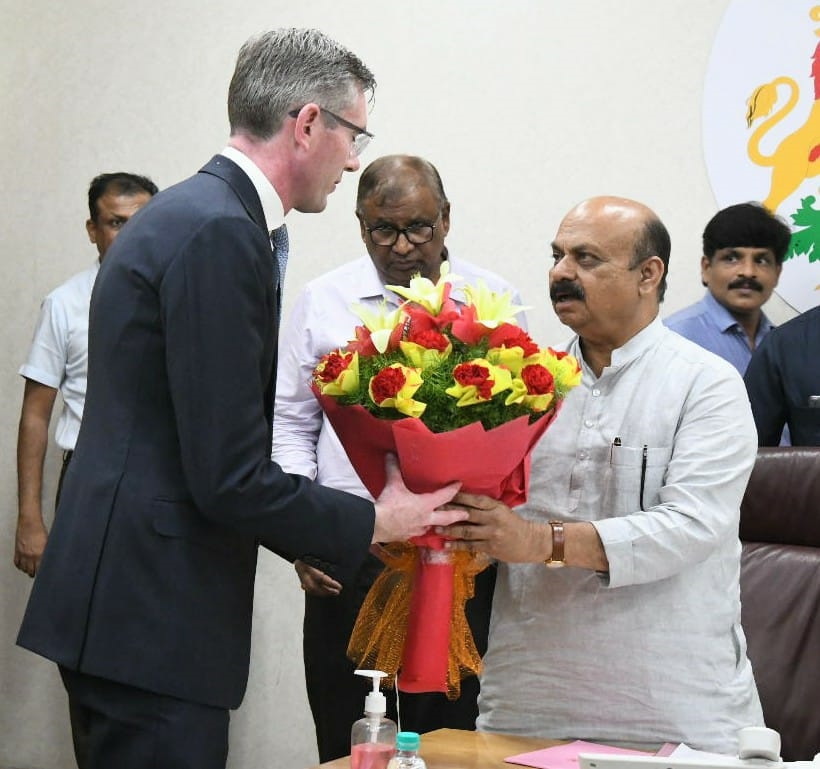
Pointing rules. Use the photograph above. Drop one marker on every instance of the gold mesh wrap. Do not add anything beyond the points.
(377, 641)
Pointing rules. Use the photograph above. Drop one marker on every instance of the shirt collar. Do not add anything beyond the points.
(636, 346)
(629, 351)
(725, 321)
(272, 206)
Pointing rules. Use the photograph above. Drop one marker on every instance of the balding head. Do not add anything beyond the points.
(392, 178)
(619, 210)
(610, 257)
(404, 217)
(633, 220)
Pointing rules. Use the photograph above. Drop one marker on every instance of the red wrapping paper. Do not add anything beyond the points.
(492, 462)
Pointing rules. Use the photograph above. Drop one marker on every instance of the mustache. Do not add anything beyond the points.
(566, 289)
(746, 283)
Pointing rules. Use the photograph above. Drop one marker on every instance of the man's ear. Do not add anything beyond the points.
(91, 229)
(305, 124)
(445, 219)
(705, 268)
(362, 228)
(652, 270)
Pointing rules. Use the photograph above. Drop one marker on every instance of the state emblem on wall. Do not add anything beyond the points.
(761, 126)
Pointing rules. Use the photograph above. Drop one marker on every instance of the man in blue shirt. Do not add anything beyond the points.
(743, 250)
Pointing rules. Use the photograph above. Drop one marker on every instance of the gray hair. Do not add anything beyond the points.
(285, 69)
(389, 177)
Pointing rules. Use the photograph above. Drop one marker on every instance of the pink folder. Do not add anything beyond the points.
(566, 756)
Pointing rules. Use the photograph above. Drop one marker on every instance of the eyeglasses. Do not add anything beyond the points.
(361, 138)
(417, 234)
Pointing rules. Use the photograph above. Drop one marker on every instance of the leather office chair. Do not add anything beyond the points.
(780, 592)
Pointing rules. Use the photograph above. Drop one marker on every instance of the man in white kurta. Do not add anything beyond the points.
(637, 639)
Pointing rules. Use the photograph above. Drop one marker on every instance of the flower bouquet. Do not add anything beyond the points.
(457, 393)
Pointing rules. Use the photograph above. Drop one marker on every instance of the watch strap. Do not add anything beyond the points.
(556, 559)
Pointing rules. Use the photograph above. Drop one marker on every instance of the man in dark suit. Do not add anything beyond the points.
(145, 591)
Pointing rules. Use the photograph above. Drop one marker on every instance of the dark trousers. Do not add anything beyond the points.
(336, 695)
(118, 726)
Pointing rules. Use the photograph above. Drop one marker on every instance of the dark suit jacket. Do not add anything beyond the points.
(781, 381)
(148, 575)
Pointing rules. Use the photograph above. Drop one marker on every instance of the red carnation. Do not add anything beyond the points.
(335, 364)
(538, 379)
(467, 374)
(386, 384)
(508, 335)
(430, 339)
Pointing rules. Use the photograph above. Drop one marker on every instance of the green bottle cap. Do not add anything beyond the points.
(407, 741)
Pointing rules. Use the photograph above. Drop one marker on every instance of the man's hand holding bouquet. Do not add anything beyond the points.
(457, 394)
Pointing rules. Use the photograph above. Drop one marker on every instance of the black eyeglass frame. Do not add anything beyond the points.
(361, 137)
(401, 231)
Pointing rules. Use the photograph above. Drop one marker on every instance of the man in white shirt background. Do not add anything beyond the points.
(58, 361)
(404, 218)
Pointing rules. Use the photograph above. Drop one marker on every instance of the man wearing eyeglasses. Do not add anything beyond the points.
(144, 595)
(404, 218)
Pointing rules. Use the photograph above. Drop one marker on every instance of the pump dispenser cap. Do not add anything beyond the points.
(375, 704)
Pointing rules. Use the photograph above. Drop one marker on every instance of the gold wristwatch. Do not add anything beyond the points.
(556, 559)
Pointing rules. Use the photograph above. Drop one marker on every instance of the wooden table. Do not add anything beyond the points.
(457, 749)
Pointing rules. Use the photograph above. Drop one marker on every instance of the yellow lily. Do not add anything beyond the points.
(564, 369)
(424, 292)
(379, 322)
(511, 358)
(424, 357)
(492, 307)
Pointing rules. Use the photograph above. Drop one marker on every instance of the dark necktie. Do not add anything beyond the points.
(279, 242)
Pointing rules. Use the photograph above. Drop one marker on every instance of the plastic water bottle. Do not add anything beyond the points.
(407, 752)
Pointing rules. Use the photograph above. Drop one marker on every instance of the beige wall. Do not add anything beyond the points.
(525, 106)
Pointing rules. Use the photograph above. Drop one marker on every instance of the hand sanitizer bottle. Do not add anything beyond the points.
(407, 753)
(372, 738)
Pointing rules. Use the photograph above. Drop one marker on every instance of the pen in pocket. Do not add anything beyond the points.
(615, 443)
(643, 472)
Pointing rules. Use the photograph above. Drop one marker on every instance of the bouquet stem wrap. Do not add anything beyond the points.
(431, 625)
(414, 604)
(413, 618)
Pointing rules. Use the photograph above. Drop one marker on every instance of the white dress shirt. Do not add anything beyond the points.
(321, 320)
(58, 356)
(272, 206)
(653, 651)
